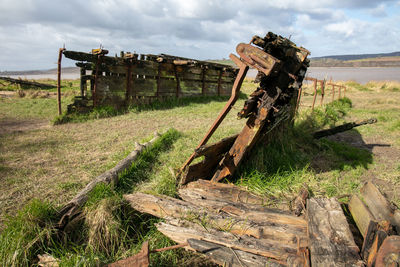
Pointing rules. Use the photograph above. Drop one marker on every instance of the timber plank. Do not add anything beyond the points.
(361, 214)
(255, 213)
(330, 238)
(379, 206)
(163, 206)
(227, 256)
(228, 192)
(181, 231)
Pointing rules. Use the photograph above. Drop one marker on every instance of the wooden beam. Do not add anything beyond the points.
(379, 206)
(361, 214)
(331, 241)
(182, 231)
(227, 256)
(163, 207)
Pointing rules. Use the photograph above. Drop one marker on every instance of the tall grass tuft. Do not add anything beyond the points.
(27, 234)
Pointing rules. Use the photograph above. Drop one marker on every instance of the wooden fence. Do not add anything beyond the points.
(132, 78)
(325, 89)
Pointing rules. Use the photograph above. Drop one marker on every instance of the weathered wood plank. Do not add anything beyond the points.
(227, 256)
(252, 212)
(331, 241)
(361, 214)
(181, 231)
(163, 206)
(228, 192)
(379, 206)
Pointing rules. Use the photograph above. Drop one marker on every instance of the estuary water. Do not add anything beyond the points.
(360, 75)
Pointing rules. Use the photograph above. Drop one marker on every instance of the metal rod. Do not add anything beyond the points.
(169, 248)
(60, 52)
(299, 98)
(234, 96)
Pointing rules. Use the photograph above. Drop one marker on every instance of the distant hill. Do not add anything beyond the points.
(362, 60)
(358, 57)
(40, 72)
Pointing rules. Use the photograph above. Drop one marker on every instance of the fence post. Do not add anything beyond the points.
(60, 53)
(315, 93)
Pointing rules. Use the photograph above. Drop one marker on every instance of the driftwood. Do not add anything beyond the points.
(28, 83)
(342, 128)
(330, 238)
(72, 208)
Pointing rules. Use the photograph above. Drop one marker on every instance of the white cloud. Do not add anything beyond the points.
(191, 28)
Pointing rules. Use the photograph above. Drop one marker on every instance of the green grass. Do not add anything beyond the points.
(57, 162)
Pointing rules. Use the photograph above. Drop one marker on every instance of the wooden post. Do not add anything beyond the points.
(333, 92)
(344, 92)
(60, 52)
(322, 91)
(315, 93)
(83, 81)
(340, 91)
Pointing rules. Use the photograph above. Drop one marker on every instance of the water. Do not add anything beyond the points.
(360, 75)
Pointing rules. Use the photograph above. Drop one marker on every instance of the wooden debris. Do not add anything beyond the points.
(72, 208)
(227, 256)
(228, 192)
(300, 202)
(182, 231)
(389, 252)
(331, 242)
(376, 234)
(252, 212)
(379, 206)
(342, 128)
(361, 214)
(163, 206)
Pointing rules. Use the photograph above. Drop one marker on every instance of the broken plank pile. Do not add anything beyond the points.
(233, 227)
(228, 224)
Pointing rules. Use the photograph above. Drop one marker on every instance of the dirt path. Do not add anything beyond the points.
(8, 125)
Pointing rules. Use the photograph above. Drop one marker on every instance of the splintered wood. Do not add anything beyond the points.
(235, 222)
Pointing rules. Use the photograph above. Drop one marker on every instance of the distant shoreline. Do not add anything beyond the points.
(358, 74)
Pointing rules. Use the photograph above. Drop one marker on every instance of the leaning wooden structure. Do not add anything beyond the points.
(128, 79)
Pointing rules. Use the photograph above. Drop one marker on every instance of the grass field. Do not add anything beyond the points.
(43, 166)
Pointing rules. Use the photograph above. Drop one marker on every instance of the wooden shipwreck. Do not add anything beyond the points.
(129, 79)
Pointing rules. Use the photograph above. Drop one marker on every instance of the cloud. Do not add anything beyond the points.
(32, 30)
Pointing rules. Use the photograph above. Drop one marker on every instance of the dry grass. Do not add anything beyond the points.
(55, 162)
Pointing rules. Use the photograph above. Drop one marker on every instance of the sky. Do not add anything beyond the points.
(32, 31)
